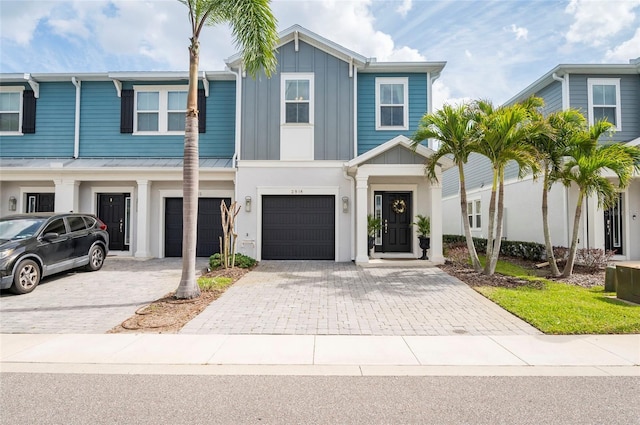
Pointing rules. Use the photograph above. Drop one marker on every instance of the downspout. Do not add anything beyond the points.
(76, 138)
(236, 153)
(355, 154)
(565, 89)
(355, 111)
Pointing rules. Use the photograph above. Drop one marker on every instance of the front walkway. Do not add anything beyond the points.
(328, 298)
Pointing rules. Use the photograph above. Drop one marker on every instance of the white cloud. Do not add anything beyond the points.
(520, 32)
(404, 8)
(19, 19)
(442, 96)
(351, 25)
(630, 49)
(597, 20)
(468, 54)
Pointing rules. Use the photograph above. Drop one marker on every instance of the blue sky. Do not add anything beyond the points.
(493, 49)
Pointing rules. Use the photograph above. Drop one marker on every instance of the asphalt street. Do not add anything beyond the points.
(153, 399)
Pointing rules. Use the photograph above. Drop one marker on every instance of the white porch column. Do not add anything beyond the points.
(362, 254)
(435, 253)
(67, 195)
(142, 219)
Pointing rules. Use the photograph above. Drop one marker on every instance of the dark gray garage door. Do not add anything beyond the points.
(209, 227)
(298, 227)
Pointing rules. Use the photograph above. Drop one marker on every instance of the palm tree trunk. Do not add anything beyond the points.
(188, 287)
(493, 261)
(492, 222)
(568, 268)
(545, 225)
(465, 219)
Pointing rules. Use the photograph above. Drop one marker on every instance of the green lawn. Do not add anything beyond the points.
(214, 283)
(557, 308)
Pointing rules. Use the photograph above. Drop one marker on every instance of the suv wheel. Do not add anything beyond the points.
(26, 278)
(96, 258)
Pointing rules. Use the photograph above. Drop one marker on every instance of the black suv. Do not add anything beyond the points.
(36, 245)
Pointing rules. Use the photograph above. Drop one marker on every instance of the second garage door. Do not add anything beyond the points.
(298, 227)
(209, 227)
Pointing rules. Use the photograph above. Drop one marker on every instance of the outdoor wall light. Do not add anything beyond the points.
(13, 202)
(247, 203)
(345, 204)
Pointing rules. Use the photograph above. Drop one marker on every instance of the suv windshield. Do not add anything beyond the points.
(20, 228)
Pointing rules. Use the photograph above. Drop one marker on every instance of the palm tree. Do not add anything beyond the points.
(455, 129)
(254, 28)
(553, 146)
(587, 162)
(506, 132)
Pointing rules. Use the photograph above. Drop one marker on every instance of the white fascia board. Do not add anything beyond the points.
(14, 78)
(562, 69)
(219, 75)
(66, 77)
(115, 174)
(634, 142)
(149, 76)
(435, 68)
(312, 39)
(248, 163)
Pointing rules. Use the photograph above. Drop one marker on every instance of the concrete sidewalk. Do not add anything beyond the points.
(510, 355)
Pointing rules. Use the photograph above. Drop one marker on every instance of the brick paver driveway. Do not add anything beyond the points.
(82, 302)
(340, 298)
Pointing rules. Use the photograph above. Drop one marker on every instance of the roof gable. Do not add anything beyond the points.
(395, 147)
(297, 33)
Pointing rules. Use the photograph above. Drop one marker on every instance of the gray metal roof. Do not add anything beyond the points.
(88, 163)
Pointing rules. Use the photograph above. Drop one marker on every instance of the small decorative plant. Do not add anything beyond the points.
(373, 225)
(423, 224)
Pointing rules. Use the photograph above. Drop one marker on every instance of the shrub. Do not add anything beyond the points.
(593, 259)
(458, 255)
(525, 250)
(242, 261)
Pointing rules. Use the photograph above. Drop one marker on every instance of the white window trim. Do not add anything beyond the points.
(473, 213)
(283, 104)
(609, 82)
(14, 89)
(163, 112)
(393, 80)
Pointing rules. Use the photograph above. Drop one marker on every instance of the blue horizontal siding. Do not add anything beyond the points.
(55, 124)
(219, 140)
(100, 125)
(368, 137)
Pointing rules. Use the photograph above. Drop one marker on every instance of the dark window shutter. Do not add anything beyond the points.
(28, 112)
(202, 112)
(126, 111)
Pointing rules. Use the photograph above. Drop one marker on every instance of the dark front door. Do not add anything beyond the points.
(396, 222)
(209, 226)
(111, 210)
(613, 229)
(40, 202)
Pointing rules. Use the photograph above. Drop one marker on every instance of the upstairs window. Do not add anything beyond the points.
(297, 98)
(160, 110)
(11, 110)
(392, 103)
(604, 101)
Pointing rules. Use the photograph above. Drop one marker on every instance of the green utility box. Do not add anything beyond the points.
(628, 281)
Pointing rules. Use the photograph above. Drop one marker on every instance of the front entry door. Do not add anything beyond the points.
(111, 210)
(613, 227)
(396, 222)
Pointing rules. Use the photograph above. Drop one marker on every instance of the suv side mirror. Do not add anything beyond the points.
(50, 236)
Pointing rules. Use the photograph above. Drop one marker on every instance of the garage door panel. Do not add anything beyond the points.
(209, 226)
(298, 227)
